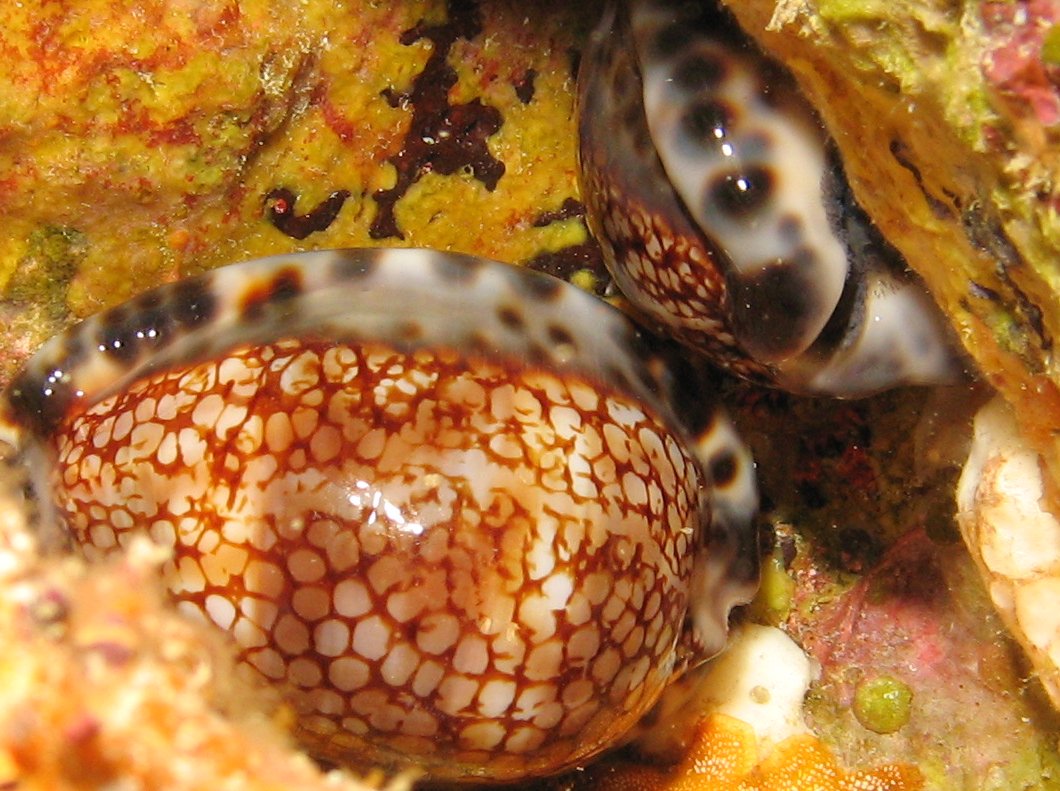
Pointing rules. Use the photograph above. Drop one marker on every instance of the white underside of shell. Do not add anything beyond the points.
(1014, 540)
(901, 334)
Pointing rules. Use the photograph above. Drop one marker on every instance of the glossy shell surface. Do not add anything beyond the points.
(724, 214)
(445, 502)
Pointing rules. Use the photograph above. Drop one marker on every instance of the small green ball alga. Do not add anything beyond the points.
(883, 704)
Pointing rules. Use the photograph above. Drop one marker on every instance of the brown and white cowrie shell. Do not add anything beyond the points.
(725, 216)
(447, 503)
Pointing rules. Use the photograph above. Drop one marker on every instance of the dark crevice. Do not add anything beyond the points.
(569, 261)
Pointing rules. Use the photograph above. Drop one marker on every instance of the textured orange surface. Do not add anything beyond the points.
(724, 756)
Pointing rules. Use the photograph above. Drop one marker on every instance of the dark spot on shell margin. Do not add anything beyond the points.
(700, 72)
(410, 331)
(192, 302)
(355, 265)
(741, 193)
(723, 468)
(284, 286)
(510, 317)
(457, 268)
(671, 39)
(478, 342)
(560, 336)
(537, 355)
(543, 288)
(41, 401)
(772, 307)
(75, 349)
(116, 338)
(708, 122)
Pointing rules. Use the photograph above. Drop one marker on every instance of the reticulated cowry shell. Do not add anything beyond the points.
(446, 503)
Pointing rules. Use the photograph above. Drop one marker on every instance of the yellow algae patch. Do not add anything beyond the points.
(153, 136)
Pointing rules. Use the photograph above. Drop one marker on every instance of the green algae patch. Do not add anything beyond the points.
(776, 593)
(1051, 46)
(43, 273)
